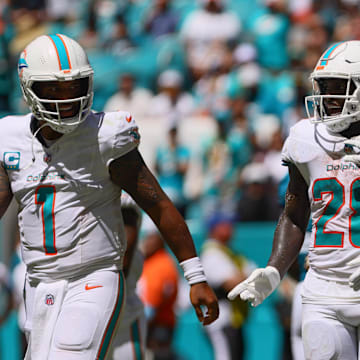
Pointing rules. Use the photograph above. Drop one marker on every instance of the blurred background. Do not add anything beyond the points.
(215, 86)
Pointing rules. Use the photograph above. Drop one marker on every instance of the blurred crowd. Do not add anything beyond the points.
(215, 86)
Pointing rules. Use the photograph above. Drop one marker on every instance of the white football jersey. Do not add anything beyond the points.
(69, 210)
(334, 195)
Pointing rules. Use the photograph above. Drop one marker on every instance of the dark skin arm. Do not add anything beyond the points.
(131, 174)
(5, 199)
(5, 192)
(290, 230)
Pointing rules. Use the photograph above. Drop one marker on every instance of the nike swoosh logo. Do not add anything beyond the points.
(87, 287)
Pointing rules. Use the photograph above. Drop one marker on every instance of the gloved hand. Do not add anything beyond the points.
(354, 144)
(354, 279)
(258, 286)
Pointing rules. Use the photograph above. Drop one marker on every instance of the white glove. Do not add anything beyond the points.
(355, 156)
(258, 286)
(354, 279)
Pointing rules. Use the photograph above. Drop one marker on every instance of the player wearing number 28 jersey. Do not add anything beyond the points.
(323, 157)
(334, 198)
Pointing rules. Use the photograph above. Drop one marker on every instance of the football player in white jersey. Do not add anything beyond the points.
(321, 155)
(66, 166)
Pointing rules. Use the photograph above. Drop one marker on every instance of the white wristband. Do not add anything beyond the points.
(193, 270)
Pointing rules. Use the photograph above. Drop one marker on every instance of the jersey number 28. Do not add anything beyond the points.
(332, 238)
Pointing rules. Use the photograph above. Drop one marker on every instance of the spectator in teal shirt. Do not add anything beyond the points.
(269, 28)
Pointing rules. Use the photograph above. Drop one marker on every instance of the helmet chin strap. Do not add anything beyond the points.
(32, 144)
(33, 141)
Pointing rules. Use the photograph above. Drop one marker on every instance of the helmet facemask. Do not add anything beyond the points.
(51, 108)
(335, 102)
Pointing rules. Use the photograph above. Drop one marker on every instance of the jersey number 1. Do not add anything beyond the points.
(45, 196)
(332, 186)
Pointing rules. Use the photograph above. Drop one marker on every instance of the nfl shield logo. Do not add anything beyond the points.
(49, 300)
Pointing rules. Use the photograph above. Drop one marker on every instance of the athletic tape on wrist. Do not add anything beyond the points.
(193, 270)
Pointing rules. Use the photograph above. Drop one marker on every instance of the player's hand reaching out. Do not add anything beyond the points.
(202, 296)
(258, 286)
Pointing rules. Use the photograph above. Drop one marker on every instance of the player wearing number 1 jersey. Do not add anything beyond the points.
(325, 185)
(66, 167)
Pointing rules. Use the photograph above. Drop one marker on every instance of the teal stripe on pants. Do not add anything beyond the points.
(106, 340)
(136, 340)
